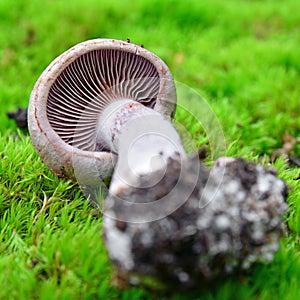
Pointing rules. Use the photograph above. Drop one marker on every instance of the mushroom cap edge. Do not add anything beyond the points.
(68, 161)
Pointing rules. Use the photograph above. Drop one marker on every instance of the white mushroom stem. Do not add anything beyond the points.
(142, 138)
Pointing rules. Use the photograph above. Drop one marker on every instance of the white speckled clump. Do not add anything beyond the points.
(228, 223)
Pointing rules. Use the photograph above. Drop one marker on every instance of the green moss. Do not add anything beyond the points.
(241, 55)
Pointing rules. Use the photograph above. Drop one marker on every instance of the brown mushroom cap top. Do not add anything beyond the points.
(71, 93)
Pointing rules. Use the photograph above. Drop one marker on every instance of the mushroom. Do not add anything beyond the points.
(229, 219)
(166, 215)
(71, 94)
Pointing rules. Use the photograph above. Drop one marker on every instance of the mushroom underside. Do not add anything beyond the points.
(89, 84)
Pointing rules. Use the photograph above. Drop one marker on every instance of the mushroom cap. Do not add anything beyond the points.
(71, 93)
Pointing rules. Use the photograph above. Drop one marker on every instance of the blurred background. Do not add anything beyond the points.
(242, 55)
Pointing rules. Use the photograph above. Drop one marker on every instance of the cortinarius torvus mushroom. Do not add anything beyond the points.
(166, 215)
(71, 94)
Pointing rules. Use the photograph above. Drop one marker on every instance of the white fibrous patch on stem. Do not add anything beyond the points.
(118, 244)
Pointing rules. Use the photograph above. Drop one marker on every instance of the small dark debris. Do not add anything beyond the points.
(288, 144)
(34, 262)
(294, 160)
(297, 178)
(202, 152)
(20, 117)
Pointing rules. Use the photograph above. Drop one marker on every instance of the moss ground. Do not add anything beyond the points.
(242, 56)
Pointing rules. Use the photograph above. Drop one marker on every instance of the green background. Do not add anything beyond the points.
(242, 56)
